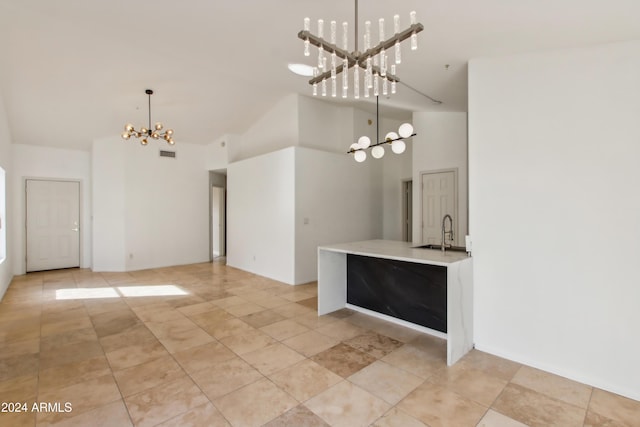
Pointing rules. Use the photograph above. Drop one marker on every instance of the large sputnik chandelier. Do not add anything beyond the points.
(374, 64)
(146, 132)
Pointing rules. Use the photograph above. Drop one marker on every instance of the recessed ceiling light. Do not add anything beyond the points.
(301, 69)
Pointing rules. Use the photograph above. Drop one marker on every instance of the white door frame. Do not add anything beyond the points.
(455, 200)
(24, 215)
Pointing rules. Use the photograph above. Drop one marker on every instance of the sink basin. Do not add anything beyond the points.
(438, 247)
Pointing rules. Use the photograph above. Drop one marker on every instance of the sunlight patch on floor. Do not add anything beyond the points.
(117, 292)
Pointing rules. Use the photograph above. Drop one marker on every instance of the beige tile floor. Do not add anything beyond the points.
(238, 349)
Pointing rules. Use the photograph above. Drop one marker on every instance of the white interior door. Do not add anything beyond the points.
(53, 224)
(439, 198)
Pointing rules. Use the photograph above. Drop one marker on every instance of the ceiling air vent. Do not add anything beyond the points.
(164, 153)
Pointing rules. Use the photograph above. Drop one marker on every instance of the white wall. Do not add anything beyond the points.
(109, 213)
(275, 130)
(6, 269)
(260, 215)
(167, 206)
(396, 169)
(555, 211)
(149, 211)
(32, 161)
(440, 143)
(324, 126)
(335, 195)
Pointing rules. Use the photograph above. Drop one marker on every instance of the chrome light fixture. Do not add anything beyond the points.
(396, 140)
(145, 133)
(373, 64)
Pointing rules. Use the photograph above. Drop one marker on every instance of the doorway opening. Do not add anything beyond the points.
(218, 215)
(407, 210)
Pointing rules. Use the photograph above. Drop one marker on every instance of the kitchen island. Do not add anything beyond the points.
(424, 289)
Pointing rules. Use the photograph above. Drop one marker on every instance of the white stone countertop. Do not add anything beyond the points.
(401, 251)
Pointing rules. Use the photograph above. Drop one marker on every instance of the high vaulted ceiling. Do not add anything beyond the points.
(72, 71)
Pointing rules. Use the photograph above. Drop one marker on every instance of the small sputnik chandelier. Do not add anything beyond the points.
(147, 132)
(396, 140)
(373, 64)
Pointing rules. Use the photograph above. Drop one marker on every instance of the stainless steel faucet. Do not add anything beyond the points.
(445, 233)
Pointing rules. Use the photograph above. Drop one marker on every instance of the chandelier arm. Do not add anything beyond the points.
(388, 76)
(326, 46)
(327, 74)
(390, 42)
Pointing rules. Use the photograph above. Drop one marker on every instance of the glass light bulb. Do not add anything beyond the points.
(377, 151)
(125, 135)
(364, 142)
(367, 35)
(412, 17)
(144, 131)
(306, 47)
(315, 89)
(333, 87)
(323, 84)
(369, 73)
(393, 82)
(332, 36)
(345, 78)
(414, 41)
(307, 24)
(169, 132)
(355, 146)
(321, 28)
(128, 127)
(155, 135)
(158, 126)
(171, 141)
(345, 30)
(381, 28)
(405, 130)
(334, 62)
(391, 136)
(356, 82)
(398, 146)
(144, 141)
(383, 63)
(385, 87)
(360, 156)
(320, 57)
(396, 24)
(376, 85)
(398, 52)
